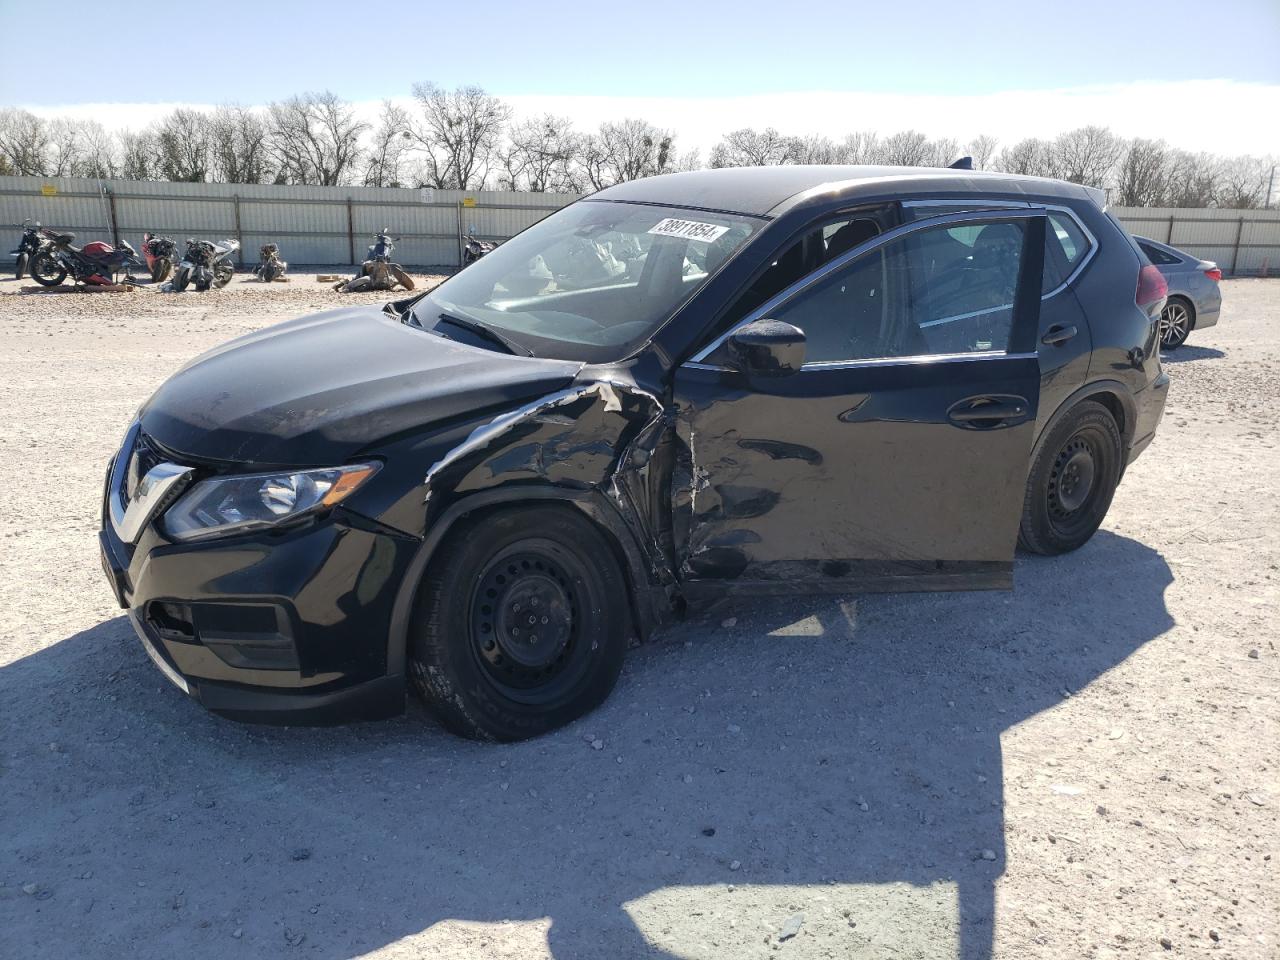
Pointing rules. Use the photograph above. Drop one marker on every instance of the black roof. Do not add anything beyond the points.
(763, 191)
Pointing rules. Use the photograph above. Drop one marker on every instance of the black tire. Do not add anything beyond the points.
(181, 279)
(47, 271)
(20, 268)
(405, 280)
(160, 270)
(1177, 320)
(222, 274)
(468, 658)
(1073, 477)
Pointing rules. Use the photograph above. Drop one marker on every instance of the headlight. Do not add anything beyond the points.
(234, 504)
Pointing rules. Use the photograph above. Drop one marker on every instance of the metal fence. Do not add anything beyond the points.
(333, 225)
(315, 225)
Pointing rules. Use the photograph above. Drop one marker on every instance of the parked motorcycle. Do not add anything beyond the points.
(34, 237)
(96, 263)
(378, 272)
(270, 267)
(158, 252)
(207, 264)
(474, 248)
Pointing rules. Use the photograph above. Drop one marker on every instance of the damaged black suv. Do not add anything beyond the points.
(830, 379)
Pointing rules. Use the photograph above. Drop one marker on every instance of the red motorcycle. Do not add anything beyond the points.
(96, 263)
(158, 252)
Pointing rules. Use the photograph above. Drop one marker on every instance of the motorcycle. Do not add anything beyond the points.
(158, 252)
(378, 272)
(271, 266)
(97, 263)
(207, 264)
(474, 248)
(34, 237)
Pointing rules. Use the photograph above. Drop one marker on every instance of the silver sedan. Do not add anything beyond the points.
(1195, 299)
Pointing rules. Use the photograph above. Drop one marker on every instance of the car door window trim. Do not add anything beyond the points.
(965, 218)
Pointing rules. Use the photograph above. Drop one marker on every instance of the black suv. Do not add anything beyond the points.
(832, 379)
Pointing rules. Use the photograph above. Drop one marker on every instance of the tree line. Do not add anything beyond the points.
(468, 139)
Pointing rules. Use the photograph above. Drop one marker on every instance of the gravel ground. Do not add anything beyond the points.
(1083, 768)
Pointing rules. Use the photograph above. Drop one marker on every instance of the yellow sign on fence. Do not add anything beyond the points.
(48, 190)
(468, 201)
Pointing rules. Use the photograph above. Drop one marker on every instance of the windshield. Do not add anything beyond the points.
(591, 282)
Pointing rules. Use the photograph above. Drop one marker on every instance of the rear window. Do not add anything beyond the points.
(1156, 255)
(1066, 245)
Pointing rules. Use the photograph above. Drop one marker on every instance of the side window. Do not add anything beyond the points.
(940, 290)
(1156, 255)
(801, 258)
(1065, 246)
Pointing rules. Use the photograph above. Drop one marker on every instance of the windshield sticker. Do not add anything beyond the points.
(689, 230)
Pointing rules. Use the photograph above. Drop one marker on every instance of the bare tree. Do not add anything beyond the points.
(1242, 183)
(627, 150)
(24, 142)
(907, 148)
(753, 148)
(942, 153)
(860, 147)
(1192, 179)
(816, 148)
(386, 155)
(459, 131)
(539, 155)
(1028, 158)
(184, 146)
(137, 152)
(238, 143)
(1086, 155)
(315, 138)
(1142, 173)
(983, 149)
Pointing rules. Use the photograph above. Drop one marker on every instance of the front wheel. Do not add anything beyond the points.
(520, 624)
(160, 269)
(47, 271)
(1073, 477)
(181, 279)
(20, 268)
(1175, 324)
(222, 275)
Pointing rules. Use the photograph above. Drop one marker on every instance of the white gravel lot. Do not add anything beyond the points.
(1083, 768)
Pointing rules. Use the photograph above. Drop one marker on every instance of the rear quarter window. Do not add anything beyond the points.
(1066, 247)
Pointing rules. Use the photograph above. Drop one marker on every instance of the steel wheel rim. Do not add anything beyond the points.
(525, 626)
(1074, 482)
(1175, 322)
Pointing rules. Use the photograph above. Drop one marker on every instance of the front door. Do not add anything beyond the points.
(896, 457)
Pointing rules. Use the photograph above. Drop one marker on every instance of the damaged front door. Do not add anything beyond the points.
(896, 456)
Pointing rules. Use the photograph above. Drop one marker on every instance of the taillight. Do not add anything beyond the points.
(1152, 288)
(1214, 274)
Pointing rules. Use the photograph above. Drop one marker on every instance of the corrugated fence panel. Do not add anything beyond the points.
(330, 225)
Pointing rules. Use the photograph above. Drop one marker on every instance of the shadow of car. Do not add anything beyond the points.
(819, 754)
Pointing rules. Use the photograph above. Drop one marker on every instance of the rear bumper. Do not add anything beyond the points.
(1150, 410)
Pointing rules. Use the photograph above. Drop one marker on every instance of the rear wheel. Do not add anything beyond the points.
(1072, 480)
(520, 626)
(398, 272)
(1176, 320)
(47, 271)
(20, 268)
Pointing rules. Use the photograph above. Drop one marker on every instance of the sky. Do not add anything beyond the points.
(1205, 76)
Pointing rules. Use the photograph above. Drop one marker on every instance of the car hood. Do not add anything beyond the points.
(319, 389)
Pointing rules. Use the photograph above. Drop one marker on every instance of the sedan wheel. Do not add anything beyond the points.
(1175, 324)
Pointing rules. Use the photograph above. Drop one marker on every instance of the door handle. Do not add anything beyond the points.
(1059, 334)
(987, 413)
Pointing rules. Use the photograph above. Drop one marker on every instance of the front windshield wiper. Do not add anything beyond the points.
(488, 333)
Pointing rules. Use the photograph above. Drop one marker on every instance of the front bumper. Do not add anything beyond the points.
(285, 626)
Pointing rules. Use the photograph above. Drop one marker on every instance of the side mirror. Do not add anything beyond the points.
(767, 348)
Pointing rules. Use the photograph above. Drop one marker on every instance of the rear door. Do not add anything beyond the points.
(897, 456)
